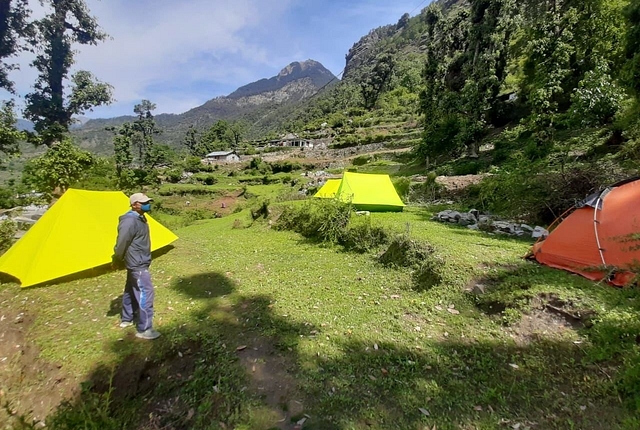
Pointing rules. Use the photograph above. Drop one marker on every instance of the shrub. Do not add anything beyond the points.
(173, 175)
(429, 273)
(421, 257)
(284, 166)
(467, 168)
(259, 166)
(361, 236)
(402, 186)
(322, 220)
(527, 194)
(406, 252)
(8, 230)
(195, 165)
(261, 210)
(204, 178)
(361, 160)
(7, 198)
(198, 214)
(182, 190)
(426, 191)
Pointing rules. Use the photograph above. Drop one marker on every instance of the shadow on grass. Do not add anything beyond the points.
(227, 362)
(453, 384)
(232, 363)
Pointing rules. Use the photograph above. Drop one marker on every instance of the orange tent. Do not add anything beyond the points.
(600, 239)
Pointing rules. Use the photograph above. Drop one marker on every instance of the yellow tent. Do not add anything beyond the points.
(369, 192)
(77, 233)
(328, 190)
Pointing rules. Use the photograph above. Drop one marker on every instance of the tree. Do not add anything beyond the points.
(565, 41)
(493, 23)
(13, 28)
(122, 148)
(376, 80)
(192, 141)
(68, 23)
(631, 74)
(159, 155)
(236, 131)
(217, 138)
(60, 167)
(146, 128)
(9, 135)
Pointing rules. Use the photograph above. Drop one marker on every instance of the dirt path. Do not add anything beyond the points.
(29, 385)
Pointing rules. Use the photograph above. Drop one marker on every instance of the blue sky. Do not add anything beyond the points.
(180, 54)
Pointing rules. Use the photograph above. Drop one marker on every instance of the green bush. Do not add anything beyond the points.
(406, 252)
(8, 230)
(195, 165)
(205, 178)
(257, 166)
(402, 186)
(173, 175)
(284, 166)
(261, 210)
(7, 198)
(426, 191)
(198, 214)
(321, 219)
(421, 257)
(526, 193)
(361, 160)
(361, 236)
(182, 190)
(332, 222)
(467, 168)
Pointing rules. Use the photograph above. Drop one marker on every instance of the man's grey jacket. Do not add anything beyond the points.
(134, 242)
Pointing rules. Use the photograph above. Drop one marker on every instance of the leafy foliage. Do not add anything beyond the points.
(331, 222)
(69, 22)
(13, 29)
(8, 230)
(60, 167)
(9, 135)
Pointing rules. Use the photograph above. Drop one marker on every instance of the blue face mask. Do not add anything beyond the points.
(146, 207)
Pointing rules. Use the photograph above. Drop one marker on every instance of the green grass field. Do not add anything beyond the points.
(263, 329)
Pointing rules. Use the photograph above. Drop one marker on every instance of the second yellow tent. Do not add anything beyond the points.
(365, 191)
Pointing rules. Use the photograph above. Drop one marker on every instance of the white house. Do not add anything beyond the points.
(292, 140)
(221, 157)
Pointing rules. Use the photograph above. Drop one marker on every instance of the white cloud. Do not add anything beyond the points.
(181, 53)
(176, 41)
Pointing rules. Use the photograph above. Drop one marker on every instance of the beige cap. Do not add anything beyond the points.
(139, 197)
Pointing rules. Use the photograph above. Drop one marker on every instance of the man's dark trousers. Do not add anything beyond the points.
(138, 297)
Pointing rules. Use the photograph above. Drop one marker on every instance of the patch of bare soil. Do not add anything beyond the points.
(457, 183)
(224, 205)
(271, 380)
(551, 317)
(32, 387)
(540, 324)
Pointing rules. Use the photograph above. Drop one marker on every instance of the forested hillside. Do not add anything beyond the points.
(511, 88)
(257, 105)
(539, 94)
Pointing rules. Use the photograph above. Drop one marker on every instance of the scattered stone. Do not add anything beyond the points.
(475, 221)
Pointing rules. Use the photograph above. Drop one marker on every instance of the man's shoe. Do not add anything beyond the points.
(125, 324)
(148, 334)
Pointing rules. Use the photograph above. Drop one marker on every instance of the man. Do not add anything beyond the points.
(133, 247)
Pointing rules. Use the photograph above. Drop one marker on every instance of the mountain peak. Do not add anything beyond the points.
(298, 67)
(297, 70)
